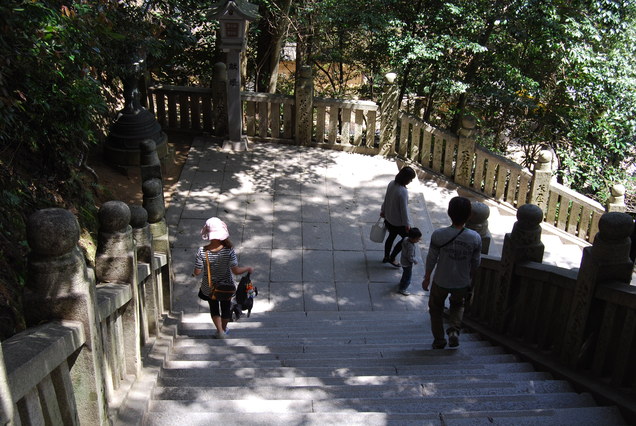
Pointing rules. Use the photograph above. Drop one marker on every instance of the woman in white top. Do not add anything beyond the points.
(395, 212)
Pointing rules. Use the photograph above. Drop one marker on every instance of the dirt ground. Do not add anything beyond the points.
(124, 183)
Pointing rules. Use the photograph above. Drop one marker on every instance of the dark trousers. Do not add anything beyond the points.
(436, 301)
(220, 308)
(394, 231)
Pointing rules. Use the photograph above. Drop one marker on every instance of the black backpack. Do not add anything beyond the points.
(245, 294)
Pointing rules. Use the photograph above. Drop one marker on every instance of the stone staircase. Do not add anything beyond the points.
(371, 368)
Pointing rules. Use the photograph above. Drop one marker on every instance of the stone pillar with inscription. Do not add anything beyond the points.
(60, 286)
(219, 99)
(478, 222)
(304, 106)
(607, 260)
(116, 263)
(388, 115)
(541, 179)
(233, 17)
(465, 151)
(523, 244)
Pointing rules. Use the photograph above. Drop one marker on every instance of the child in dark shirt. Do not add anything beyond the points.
(408, 259)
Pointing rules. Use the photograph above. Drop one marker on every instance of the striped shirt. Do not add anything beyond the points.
(221, 263)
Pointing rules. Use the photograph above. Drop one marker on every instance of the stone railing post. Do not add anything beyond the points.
(304, 106)
(523, 244)
(465, 151)
(388, 115)
(616, 201)
(116, 262)
(607, 260)
(219, 99)
(143, 242)
(478, 222)
(61, 287)
(541, 179)
(6, 402)
(153, 202)
(149, 161)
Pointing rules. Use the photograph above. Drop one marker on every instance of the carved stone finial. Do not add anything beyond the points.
(52, 232)
(114, 216)
(545, 160)
(478, 222)
(390, 77)
(138, 216)
(305, 71)
(153, 200)
(612, 243)
(527, 229)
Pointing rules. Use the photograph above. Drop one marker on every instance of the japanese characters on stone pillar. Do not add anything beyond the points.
(541, 179)
(478, 222)
(465, 151)
(233, 16)
(523, 244)
(61, 287)
(607, 260)
(219, 99)
(304, 106)
(388, 115)
(616, 201)
(116, 263)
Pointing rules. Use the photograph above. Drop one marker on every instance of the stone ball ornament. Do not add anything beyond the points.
(114, 216)
(52, 231)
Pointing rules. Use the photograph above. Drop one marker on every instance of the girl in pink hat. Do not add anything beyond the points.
(219, 258)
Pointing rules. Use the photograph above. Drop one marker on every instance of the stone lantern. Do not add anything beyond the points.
(133, 124)
(233, 16)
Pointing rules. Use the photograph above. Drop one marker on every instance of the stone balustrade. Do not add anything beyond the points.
(82, 350)
(366, 127)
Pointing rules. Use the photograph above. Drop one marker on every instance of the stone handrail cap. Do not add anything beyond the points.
(530, 214)
(390, 77)
(469, 122)
(615, 226)
(114, 216)
(52, 231)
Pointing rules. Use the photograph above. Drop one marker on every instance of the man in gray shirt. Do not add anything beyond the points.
(453, 257)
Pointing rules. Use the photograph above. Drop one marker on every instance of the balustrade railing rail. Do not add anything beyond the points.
(353, 124)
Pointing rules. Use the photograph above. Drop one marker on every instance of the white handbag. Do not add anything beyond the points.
(378, 231)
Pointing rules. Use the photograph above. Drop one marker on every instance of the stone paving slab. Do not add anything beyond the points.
(301, 217)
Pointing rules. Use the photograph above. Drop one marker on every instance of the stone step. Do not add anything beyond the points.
(402, 390)
(353, 354)
(435, 359)
(582, 416)
(461, 378)
(417, 360)
(384, 405)
(198, 346)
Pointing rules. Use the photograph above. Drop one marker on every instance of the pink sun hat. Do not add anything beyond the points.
(214, 229)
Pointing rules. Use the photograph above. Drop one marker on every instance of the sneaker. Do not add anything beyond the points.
(453, 339)
(404, 292)
(395, 264)
(218, 335)
(386, 260)
(439, 344)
